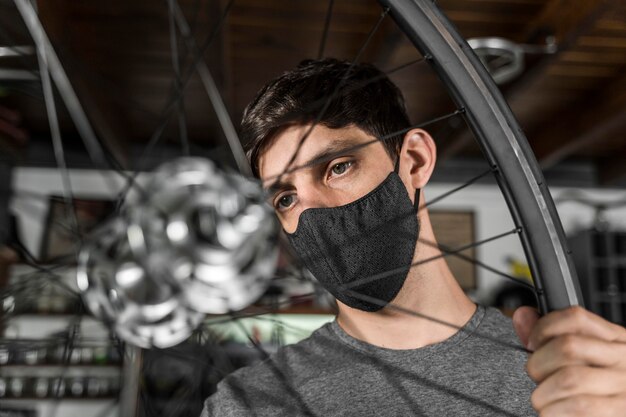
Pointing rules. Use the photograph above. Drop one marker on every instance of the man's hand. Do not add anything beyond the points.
(578, 362)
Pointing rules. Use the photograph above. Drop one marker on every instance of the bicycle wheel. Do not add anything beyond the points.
(487, 114)
(504, 146)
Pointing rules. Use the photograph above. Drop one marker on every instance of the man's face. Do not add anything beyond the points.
(349, 175)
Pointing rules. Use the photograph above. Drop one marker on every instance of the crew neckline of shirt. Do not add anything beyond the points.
(400, 354)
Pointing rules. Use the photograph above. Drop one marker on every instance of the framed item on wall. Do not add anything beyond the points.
(60, 234)
(454, 229)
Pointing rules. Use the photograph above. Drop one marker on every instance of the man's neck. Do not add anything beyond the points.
(430, 308)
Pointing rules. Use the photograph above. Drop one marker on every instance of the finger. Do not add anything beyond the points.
(585, 406)
(571, 350)
(524, 319)
(574, 320)
(578, 380)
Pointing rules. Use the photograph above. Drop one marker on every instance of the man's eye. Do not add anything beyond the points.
(340, 168)
(285, 201)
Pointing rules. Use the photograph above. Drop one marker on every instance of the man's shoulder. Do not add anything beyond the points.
(498, 326)
(265, 383)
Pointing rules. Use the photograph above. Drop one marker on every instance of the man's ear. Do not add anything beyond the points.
(417, 158)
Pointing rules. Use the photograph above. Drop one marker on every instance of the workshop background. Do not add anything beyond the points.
(561, 65)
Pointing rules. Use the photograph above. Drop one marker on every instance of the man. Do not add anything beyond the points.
(406, 341)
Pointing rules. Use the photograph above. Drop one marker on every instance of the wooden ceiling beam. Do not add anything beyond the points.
(564, 19)
(567, 21)
(598, 117)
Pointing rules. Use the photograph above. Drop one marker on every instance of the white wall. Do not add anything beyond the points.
(492, 218)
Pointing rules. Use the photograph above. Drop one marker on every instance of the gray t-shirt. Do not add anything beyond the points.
(479, 371)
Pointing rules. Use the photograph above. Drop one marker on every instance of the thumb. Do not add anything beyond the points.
(524, 320)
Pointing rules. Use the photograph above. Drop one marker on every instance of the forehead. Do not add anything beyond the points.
(275, 158)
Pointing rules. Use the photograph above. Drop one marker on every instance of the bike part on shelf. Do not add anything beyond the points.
(503, 58)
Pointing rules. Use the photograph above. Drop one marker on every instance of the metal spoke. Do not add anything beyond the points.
(55, 131)
(214, 95)
(29, 15)
(455, 251)
(172, 103)
(454, 190)
(182, 122)
(412, 313)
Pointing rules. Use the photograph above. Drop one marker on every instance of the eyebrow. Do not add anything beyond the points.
(276, 187)
(334, 149)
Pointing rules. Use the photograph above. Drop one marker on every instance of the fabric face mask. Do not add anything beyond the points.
(366, 246)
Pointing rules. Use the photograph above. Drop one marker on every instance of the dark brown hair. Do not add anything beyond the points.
(360, 95)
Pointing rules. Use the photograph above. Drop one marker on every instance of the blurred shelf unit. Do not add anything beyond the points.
(51, 351)
(600, 258)
(59, 387)
(40, 369)
(54, 353)
(52, 370)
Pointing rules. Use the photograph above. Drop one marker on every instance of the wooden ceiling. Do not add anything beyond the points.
(572, 103)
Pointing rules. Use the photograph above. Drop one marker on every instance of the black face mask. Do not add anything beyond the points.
(363, 247)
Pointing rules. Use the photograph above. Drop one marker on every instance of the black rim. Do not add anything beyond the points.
(504, 145)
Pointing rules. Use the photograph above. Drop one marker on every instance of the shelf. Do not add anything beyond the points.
(34, 327)
(60, 365)
(67, 314)
(109, 398)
